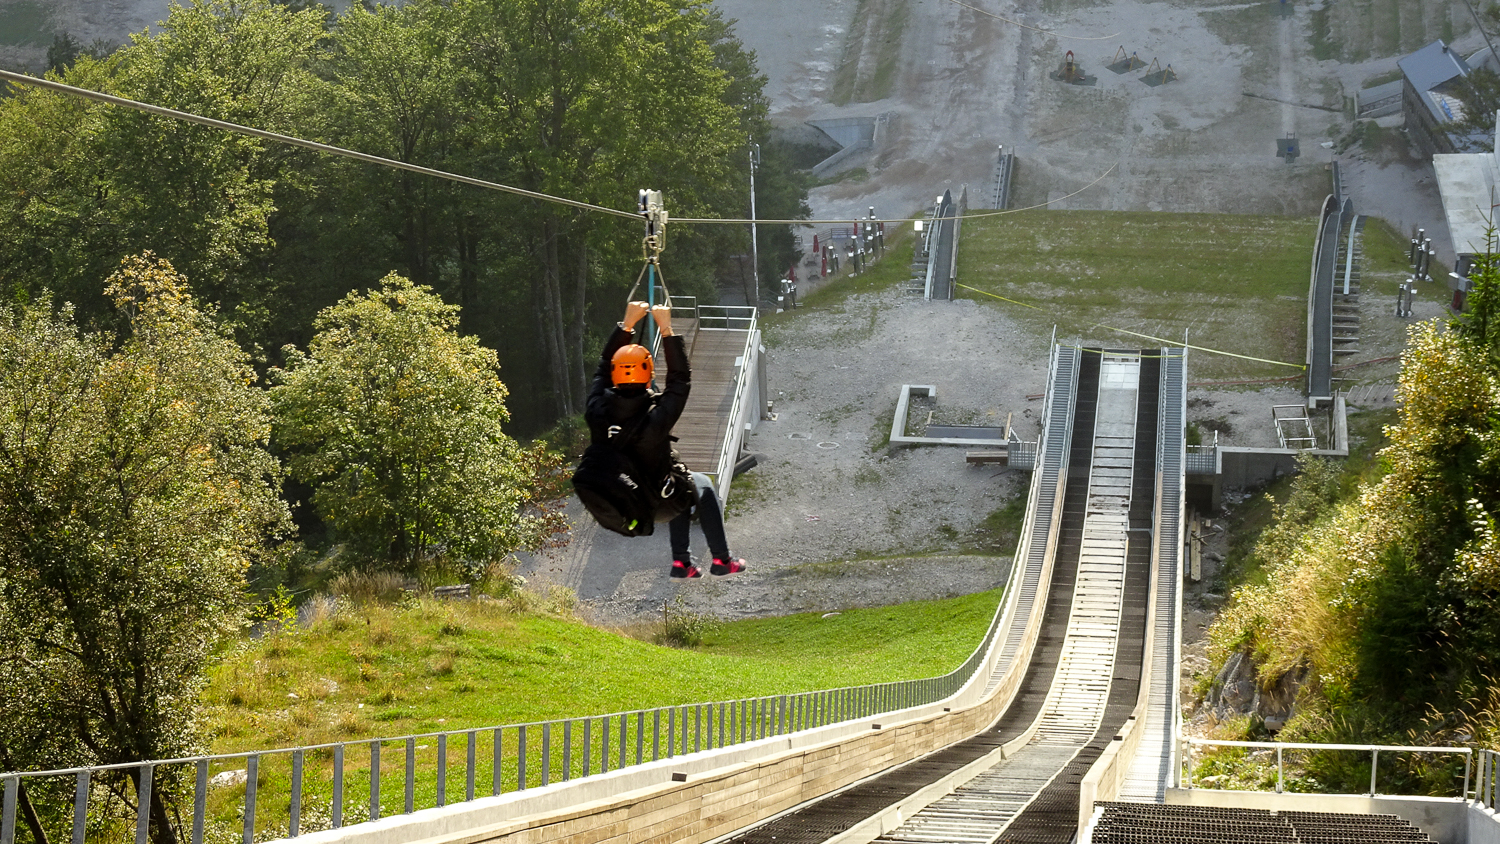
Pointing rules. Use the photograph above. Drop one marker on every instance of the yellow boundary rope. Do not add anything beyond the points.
(1142, 336)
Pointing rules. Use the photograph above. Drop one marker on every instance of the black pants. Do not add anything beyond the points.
(710, 518)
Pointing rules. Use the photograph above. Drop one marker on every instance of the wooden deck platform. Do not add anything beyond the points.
(705, 423)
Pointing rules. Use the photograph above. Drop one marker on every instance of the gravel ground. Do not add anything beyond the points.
(826, 491)
(832, 517)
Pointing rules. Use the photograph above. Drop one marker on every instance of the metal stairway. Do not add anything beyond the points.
(922, 246)
(1346, 291)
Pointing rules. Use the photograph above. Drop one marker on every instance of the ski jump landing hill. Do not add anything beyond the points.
(1068, 700)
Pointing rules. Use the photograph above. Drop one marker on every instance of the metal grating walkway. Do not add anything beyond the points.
(1101, 434)
(1151, 769)
(1079, 691)
(1082, 683)
(1044, 489)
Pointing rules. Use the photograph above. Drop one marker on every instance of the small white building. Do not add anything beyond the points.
(1469, 185)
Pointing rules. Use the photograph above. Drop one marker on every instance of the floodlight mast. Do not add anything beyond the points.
(754, 240)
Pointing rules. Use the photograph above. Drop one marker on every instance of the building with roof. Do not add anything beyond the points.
(1428, 101)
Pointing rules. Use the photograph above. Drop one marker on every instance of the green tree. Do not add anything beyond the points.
(395, 420)
(65, 50)
(592, 99)
(589, 99)
(63, 53)
(135, 486)
(1479, 92)
(397, 92)
(87, 184)
(1391, 595)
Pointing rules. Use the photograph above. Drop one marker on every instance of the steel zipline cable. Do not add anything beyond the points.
(329, 149)
(60, 88)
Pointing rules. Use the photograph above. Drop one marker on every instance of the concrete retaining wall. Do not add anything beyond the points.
(1249, 467)
(853, 134)
(1484, 826)
(1244, 468)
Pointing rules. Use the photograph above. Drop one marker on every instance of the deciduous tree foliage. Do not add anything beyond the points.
(589, 99)
(396, 421)
(1391, 596)
(88, 184)
(592, 99)
(135, 486)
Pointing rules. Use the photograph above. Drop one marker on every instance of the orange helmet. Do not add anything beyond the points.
(633, 365)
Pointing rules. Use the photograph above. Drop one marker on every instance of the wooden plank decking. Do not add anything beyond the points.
(705, 422)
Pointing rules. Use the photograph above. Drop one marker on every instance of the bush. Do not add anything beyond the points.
(371, 587)
(684, 628)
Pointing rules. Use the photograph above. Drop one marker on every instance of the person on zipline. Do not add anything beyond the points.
(622, 402)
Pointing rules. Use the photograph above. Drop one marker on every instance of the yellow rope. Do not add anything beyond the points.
(1143, 336)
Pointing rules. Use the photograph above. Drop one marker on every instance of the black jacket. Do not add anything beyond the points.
(609, 412)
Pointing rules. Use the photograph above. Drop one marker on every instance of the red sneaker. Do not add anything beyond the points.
(729, 566)
(681, 569)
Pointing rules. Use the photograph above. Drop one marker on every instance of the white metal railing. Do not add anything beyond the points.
(742, 318)
(1487, 779)
(1293, 426)
(1021, 454)
(1202, 459)
(493, 760)
(1373, 749)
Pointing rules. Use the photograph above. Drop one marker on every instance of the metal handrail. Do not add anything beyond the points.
(1373, 749)
(521, 755)
(1486, 787)
(743, 318)
(1202, 459)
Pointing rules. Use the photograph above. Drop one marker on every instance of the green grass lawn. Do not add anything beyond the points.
(429, 667)
(438, 666)
(1234, 284)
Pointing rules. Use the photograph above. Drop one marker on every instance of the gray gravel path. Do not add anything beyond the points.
(831, 517)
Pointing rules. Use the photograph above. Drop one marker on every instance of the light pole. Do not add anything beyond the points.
(754, 240)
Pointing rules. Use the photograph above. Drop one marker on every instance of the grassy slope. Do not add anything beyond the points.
(1232, 283)
(448, 666)
(434, 666)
